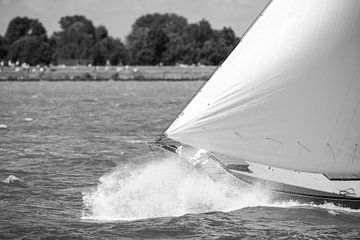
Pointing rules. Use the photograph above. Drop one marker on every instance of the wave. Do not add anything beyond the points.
(171, 187)
(330, 207)
(11, 179)
(28, 119)
(14, 181)
(168, 187)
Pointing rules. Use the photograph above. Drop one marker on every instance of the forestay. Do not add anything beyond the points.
(288, 96)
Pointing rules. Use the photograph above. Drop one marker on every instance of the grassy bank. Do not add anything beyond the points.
(128, 73)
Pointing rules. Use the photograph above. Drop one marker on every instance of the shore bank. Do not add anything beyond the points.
(116, 73)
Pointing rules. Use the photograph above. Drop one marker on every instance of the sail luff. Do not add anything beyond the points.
(241, 39)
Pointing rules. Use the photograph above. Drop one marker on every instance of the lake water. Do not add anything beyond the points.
(74, 165)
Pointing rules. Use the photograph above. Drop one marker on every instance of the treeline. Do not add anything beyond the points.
(155, 39)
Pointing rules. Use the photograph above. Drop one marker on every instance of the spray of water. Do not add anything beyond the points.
(168, 187)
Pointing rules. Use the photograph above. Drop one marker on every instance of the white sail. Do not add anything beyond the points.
(288, 96)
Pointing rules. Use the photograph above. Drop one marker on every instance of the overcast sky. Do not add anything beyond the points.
(119, 15)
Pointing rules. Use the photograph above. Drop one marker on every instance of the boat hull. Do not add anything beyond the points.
(284, 192)
(281, 184)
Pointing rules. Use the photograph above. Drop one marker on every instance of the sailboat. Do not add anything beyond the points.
(284, 106)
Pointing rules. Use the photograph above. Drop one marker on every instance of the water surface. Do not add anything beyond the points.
(74, 165)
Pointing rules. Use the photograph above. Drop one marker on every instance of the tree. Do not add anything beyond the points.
(80, 40)
(156, 41)
(26, 41)
(30, 49)
(110, 49)
(169, 39)
(228, 35)
(175, 50)
(195, 36)
(152, 47)
(212, 53)
(203, 32)
(204, 45)
(141, 46)
(23, 26)
(223, 42)
(76, 39)
(170, 23)
(100, 33)
(3, 48)
(119, 54)
(67, 22)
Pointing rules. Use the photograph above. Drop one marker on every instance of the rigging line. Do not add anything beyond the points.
(216, 69)
(332, 152)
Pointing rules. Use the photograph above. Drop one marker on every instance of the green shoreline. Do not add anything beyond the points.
(115, 73)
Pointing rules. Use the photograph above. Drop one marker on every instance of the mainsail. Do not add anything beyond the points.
(288, 96)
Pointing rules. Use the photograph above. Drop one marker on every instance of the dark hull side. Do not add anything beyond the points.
(284, 192)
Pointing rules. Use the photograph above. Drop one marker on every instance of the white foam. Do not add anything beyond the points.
(136, 141)
(333, 208)
(3, 126)
(330, 207)
(28, 119)
(11, 178)
(170, 187)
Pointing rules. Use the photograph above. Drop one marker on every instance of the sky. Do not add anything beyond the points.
(118, 15)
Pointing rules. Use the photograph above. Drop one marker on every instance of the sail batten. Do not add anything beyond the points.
(295, 78)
